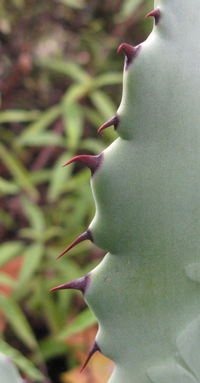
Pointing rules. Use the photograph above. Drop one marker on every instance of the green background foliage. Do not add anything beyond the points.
(60, 81)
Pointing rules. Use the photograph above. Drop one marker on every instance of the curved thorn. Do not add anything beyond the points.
(113, 121)
(94, 348)
(81, 284)
(156, 14)
(130, 52)
(81, 238)
(93, 162)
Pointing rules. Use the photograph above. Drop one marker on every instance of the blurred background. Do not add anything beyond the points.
(60, 80)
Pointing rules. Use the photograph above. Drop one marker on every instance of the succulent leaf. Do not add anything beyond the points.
(147, 199)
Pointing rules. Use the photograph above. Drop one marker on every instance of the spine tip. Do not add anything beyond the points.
(94, 348)
(81, 238)
(156, 14)
(93, 162)
(80, 284)
(113, 121)
(130, 52)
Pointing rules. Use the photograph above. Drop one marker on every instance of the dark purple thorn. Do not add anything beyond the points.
(94, 348)
(113, 121)
(93, 162)
(81, 238)
(81, 284)
(156, 14)
(130, 52)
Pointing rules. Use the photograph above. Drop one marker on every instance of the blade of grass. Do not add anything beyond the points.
(103, 104)
(34, 214)
(10, 250)
(18, 321)
(73, 122)
(18, 115)
(46, 119)
(83, 321)
(32, 262)
(71, 69)
(18, 171)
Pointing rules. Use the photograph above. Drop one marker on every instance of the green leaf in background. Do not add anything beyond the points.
(103, 104)
(42, 139)
(23, 363)
(94, 146)
(73, 122)
(18, 321)
(18, 115)
(34, 215)
(59, 177)
(50, 349)
(77, 4)
(32, 262)
(18, 171)
(83, 321)
(6, 280)
(108, 78)
(10, 250)
(8, 187)
(71, 69)
(127, 9)
(46, 119)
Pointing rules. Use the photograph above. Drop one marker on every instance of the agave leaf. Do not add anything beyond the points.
(170, 372)
(23, 363)
(188, 344)
(193, 271)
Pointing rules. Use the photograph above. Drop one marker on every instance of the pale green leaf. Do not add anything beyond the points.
(23, 363)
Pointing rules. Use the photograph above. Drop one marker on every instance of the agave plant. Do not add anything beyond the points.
(146, 188)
